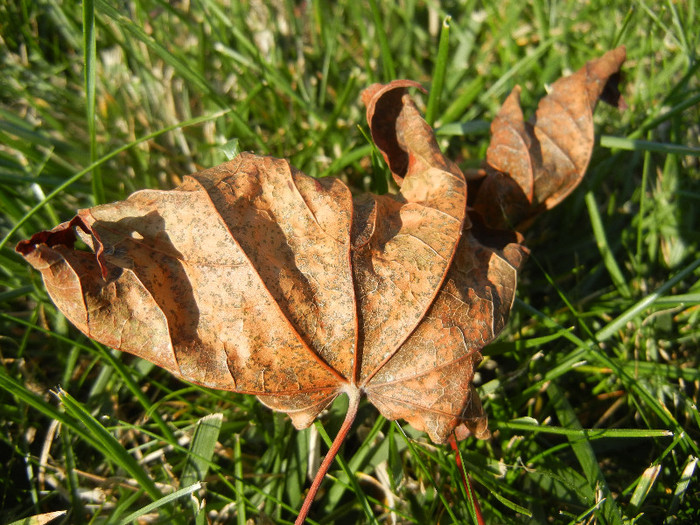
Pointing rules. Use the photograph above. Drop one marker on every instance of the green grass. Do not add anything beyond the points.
(592, 390)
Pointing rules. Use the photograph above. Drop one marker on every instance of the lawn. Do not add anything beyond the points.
(591, 390)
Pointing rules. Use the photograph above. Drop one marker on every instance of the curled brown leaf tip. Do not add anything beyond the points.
(384, 103)
(405, 140)
(607, 69)
(534, 165)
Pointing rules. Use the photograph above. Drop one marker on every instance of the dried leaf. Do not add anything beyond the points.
(254, 278)
(532, 166)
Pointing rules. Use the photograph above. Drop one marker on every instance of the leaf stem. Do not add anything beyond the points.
(474, 507)
(353, 404)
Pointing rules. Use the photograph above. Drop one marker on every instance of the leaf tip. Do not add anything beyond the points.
(607, 68)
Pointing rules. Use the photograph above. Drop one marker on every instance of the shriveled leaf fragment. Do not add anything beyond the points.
(532, 166)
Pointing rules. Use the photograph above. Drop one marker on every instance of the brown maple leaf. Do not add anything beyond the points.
(255, 278)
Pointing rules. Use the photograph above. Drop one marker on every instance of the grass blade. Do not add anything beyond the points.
(681, 488)
(40, 519)
(201, 450)
(165, 500)
(439, 73)
(604, 247)
(90, 58)
(388, 68)
(650, 146)
(238, 472)
(586, 456)
(646, 483)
